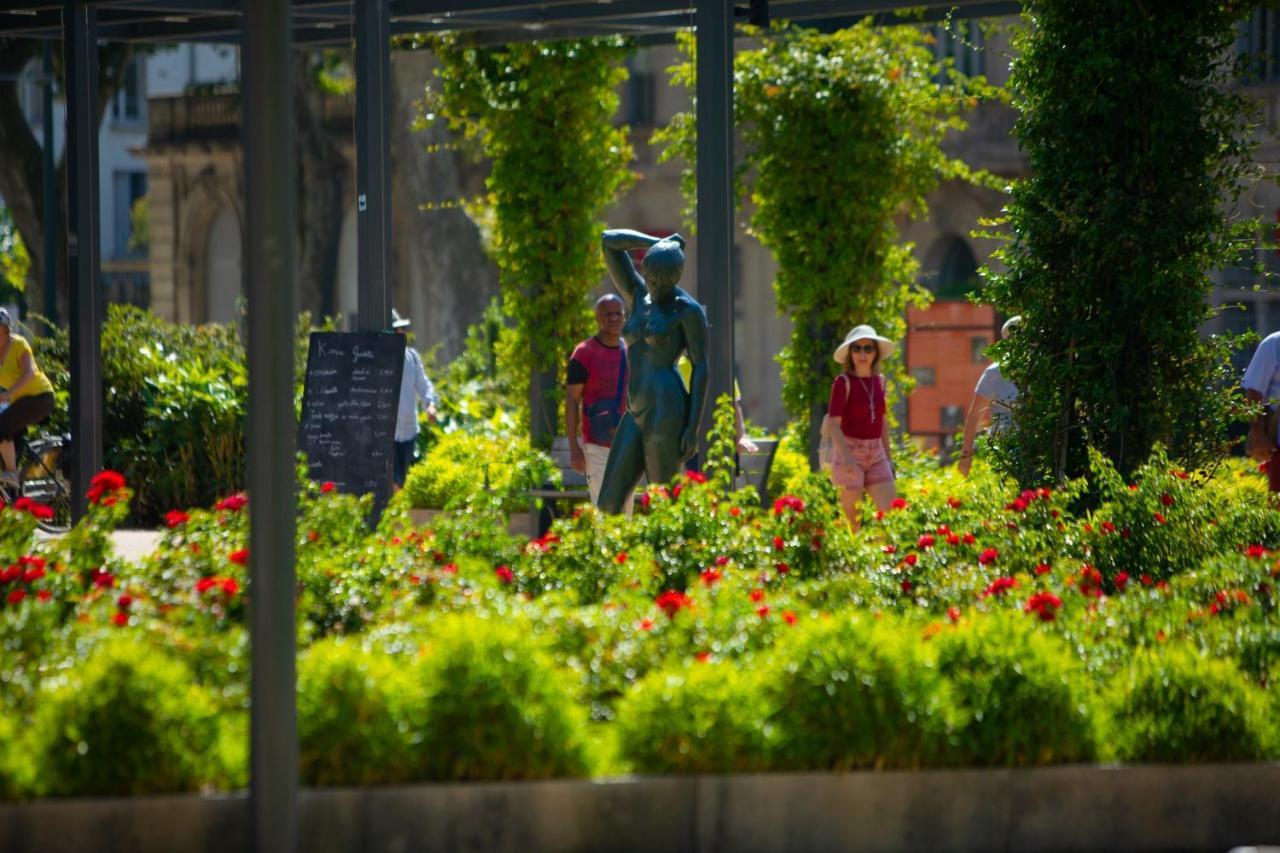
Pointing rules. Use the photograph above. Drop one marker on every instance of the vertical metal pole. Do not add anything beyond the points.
(373, 163)
(51, 219)
(270, 183)
(80, 47)
(715, 187)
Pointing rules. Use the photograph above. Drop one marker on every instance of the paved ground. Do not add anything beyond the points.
(134, 544)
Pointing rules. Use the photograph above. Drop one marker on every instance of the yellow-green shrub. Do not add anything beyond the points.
(850, 692)
(127, 721)
(495, 706)
(704, 718)
(1020, 693)
(353, 723)
(1177, 705)
(461, 466)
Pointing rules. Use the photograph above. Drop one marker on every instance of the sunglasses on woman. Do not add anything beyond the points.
(867, 348)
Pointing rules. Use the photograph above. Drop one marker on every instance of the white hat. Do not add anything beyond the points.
(398, 322)
(1012, 323)
(863, 332)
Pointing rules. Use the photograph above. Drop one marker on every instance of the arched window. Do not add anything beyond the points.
(222, 279)
(956, 274)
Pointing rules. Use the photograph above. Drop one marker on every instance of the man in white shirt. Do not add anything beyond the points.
(1261, 384)
(993, 397)
(414, 385)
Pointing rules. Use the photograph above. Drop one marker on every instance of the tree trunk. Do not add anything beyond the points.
(322, 181)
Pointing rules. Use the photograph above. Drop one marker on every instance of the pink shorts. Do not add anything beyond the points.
(862, 464)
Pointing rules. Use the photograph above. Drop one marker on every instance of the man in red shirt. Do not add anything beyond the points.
(596, 394)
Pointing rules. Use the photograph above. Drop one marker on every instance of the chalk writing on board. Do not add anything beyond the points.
(349, 406)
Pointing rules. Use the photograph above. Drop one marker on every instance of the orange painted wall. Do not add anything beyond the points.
(941, 336)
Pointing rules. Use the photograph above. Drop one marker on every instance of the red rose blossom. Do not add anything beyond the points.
(710, 576)
(672, 602)
(505, 574)
(999, 586)
(233, 503)
(120, 619)
(757, 594)
(925, 541)
(240, 557)
(327, 486)
(988, 556)
(1045, 605)
(175, 518)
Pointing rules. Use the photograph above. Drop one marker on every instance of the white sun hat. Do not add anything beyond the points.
(863, 332)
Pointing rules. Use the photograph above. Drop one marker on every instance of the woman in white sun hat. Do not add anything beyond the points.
(856, 425)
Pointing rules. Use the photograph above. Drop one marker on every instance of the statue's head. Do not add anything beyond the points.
(663, 265)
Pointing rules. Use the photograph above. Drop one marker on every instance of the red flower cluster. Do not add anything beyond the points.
(228, 586)
(1090, 583)
(898, 503)
(175, 518)
(327, 486)
(505, 574)
(1255, 551)
(757, 594)
(999, 586)
(788, 502)
(1045, 605)
(233, 503)
(988, 556)
(542, 544)
(105, 484)
(102, 579)
(1028, 496)
(925, 541)
(1043, 569)
(40, 511)
(27, 571)
(672, 602)
(710, 576)
(239, 557)
(695, 477)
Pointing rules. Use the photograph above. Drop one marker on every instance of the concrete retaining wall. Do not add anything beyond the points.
(1212, 807)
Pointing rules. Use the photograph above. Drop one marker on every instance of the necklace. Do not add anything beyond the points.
(871, 400)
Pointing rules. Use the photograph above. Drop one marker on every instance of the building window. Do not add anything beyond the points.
(962, 43)
(957, 273)
(978, 349)
(638, 92)
(127, 188)
(1258, 44)
(924, 376)
(130, 102)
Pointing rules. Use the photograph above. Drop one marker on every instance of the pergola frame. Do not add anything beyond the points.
(267, 29)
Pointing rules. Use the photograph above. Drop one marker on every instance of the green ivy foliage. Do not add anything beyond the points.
(1135, 141)
(841, 135)
(543, 115)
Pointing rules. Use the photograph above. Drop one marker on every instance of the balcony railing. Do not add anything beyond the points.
(126, 283)
(216, 116)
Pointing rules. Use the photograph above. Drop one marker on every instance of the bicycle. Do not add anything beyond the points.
(43, 476)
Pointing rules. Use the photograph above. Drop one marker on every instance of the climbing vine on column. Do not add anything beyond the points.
(1137, 145)
(841, 137)
(542, 114)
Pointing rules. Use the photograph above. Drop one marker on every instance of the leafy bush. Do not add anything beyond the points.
(12, 785)
(849, 693)
(1178, 705)
(353, 726)
(704, 718)
(1021, 696)
(494, 706)
(461, 466)
(127, 721)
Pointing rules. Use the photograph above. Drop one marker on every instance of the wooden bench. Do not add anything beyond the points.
(573, 487)
(754, 468)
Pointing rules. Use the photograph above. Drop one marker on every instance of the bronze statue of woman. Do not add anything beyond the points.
(659, 432)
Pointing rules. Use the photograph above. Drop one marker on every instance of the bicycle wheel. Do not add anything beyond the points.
(45, 479)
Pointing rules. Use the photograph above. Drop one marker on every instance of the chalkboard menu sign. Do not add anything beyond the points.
(349, 402)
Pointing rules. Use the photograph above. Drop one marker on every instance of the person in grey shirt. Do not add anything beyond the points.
(414, 385)
(993, 397)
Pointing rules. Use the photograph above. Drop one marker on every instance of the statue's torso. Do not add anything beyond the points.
(655, 339)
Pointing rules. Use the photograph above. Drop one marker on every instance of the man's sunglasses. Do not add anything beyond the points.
(868, 348)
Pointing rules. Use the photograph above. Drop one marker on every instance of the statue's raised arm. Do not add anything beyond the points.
(616, 244)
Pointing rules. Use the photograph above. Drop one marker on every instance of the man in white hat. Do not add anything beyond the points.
(993, 398)
(1261, 384)
(414, 385)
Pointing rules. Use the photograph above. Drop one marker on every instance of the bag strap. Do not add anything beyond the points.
(622, 378)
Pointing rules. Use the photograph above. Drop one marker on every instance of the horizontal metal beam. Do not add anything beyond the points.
(330, 21)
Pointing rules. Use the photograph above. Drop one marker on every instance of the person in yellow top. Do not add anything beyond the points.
(27, 396)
